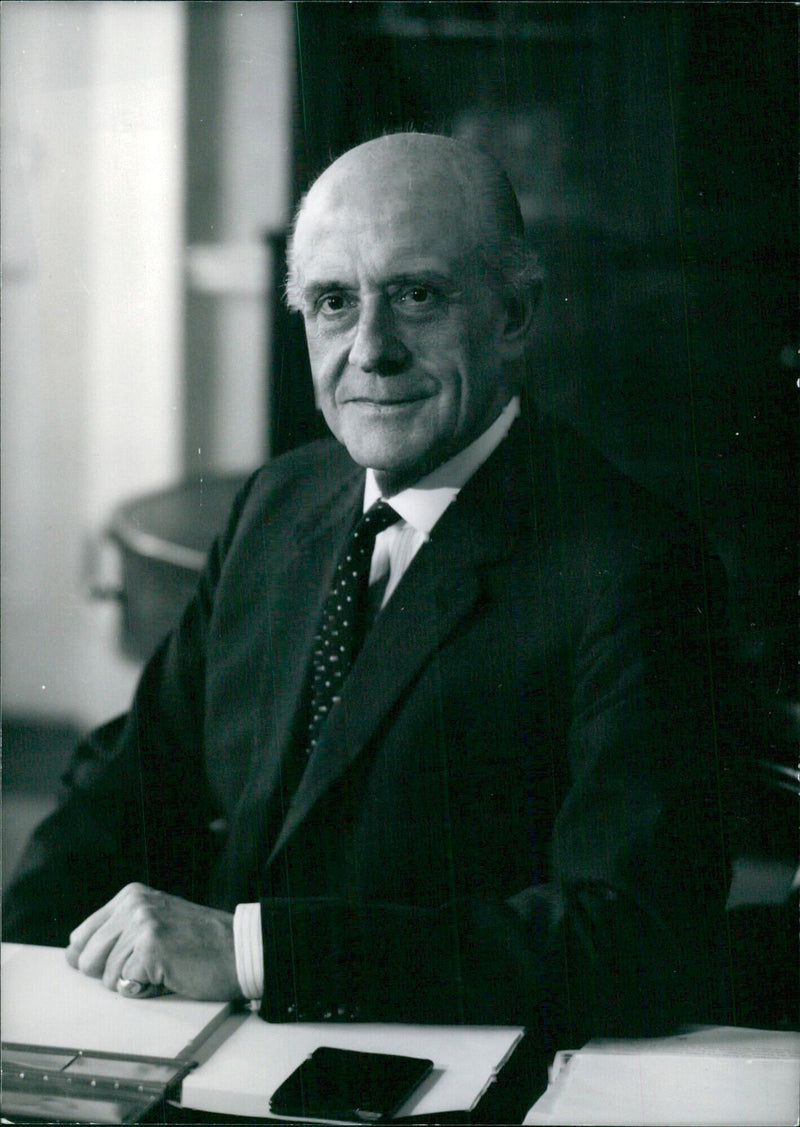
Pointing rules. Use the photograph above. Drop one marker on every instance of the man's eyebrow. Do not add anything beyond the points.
(313, 290)
(316, 289)
(415, 277)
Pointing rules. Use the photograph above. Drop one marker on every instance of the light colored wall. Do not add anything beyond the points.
(253, 160)
(92, 131)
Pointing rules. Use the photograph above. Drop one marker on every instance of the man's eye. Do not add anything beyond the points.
(417, 295)
(331, 303)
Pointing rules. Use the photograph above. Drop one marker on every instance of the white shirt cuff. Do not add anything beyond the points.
(249, 949)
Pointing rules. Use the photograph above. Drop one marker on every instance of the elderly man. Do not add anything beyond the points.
(446, 759)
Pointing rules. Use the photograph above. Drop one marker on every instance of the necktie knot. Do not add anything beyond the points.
(377, 518)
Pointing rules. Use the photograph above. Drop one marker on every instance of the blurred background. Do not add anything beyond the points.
(152, 154)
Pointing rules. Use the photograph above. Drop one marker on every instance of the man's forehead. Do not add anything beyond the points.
(393, 238)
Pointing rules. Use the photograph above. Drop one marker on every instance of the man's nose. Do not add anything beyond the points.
(377, 346)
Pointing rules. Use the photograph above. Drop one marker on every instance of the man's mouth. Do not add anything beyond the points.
(389, 401)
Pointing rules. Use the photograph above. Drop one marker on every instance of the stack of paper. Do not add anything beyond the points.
(702, 1078)
(246, 1069)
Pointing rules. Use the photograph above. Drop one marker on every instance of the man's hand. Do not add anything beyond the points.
(154, 938)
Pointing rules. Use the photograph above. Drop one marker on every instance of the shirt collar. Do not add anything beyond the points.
(422, 504)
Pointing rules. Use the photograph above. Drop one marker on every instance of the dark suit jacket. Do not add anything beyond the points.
(512, 815)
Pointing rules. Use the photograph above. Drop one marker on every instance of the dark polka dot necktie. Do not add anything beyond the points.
(342, 625)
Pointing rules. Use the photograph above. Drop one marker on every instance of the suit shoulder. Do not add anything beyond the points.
(607, 504)
(302, 477)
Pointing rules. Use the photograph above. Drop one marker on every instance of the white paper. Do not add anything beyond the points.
(46, 1002)
(246, 1069)
(716, 1077)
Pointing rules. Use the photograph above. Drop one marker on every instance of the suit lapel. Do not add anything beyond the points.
(313, 545)
(440, 588)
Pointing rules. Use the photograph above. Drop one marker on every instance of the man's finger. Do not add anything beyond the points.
(83, 933)
(136, 958)
(138, 953)
(118, 955)
(94, 957)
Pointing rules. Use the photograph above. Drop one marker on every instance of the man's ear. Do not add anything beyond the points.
(519, 309)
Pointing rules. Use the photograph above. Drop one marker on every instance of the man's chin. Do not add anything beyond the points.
(388, 447)
(394, 469)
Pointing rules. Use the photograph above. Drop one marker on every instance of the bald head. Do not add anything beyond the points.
(424, 169)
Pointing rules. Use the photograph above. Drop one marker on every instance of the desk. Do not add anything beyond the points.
(705, 1076)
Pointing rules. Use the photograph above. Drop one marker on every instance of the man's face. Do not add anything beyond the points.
(405, 331)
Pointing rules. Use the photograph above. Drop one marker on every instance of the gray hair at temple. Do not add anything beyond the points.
(488, 199)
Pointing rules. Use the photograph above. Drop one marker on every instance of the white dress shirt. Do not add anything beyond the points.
(420, 507)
